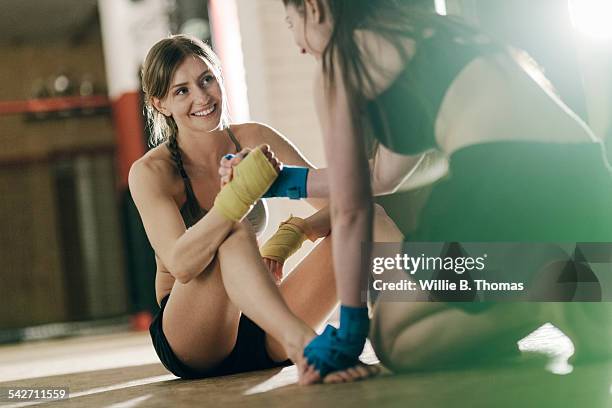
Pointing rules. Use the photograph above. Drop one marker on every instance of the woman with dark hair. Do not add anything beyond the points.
(522, 168)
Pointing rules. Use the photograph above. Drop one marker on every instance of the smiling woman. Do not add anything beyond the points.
(185, 67)
(210, 274)
(195, 93)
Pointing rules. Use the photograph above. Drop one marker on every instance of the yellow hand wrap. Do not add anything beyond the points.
(286, 241)
(252, 177)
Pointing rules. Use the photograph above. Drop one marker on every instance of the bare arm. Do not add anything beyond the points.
(384, 229)
(319, 224)
(185, 253)
(350, 192)
(387, 173)
(287, 153)
(388, 170)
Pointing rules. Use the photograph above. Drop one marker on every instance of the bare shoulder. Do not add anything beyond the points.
(252, 134)
(153, 171)
(246, 133)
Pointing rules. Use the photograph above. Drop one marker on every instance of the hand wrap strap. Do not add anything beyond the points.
(291, 183)
(338, 349)
(251, 178)
(286, 241)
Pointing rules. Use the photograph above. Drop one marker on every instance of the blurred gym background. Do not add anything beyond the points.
(73, 255)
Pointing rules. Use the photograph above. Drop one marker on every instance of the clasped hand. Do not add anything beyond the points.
(226, 172)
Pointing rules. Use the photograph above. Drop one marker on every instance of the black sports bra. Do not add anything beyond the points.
(192, 212)
(403, 116)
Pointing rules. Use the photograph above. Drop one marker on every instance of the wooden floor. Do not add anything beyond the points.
(121, 370)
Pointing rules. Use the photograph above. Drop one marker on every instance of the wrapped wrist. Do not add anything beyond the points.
(354, 322)
(252, 177)
(291, 183)
(285, 241)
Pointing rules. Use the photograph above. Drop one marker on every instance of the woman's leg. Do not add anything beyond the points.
(201, 317)
(251, 288)
(310, 292)
(200, 321)
(426, 335)
(232, 283)
(310, 288)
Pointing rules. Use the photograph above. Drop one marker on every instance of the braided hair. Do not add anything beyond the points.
(157, 72)
(193, 210)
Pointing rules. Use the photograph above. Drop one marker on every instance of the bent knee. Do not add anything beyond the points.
(240, 232)
(397, 354)
(380, 337)
(400, 346)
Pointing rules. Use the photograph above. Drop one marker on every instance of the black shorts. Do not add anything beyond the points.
(249, 353)
(517, 191)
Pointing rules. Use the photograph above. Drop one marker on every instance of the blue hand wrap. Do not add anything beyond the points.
(291, 183)
(338, 349)
(354, 322)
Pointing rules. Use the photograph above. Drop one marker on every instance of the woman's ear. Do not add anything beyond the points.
(315, 10)
(157, 104)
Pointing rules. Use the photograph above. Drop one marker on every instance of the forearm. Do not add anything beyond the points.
(317, 184)
(196, 248)
(385, 177)
(351, 224)
(348, 185)
(351, 216)
(351, 228)
(319, 224)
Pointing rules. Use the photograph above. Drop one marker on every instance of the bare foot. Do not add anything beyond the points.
(356, 373)
(295, 345)
(307, 374)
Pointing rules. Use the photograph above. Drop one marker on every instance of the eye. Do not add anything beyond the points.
(181, 91)
(208, 79)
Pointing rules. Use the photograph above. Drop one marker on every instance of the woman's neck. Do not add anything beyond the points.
(204, 149)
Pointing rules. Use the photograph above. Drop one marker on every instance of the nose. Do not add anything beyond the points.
(200, 96)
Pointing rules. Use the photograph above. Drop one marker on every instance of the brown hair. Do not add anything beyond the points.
(394, 20)
(157, 71)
